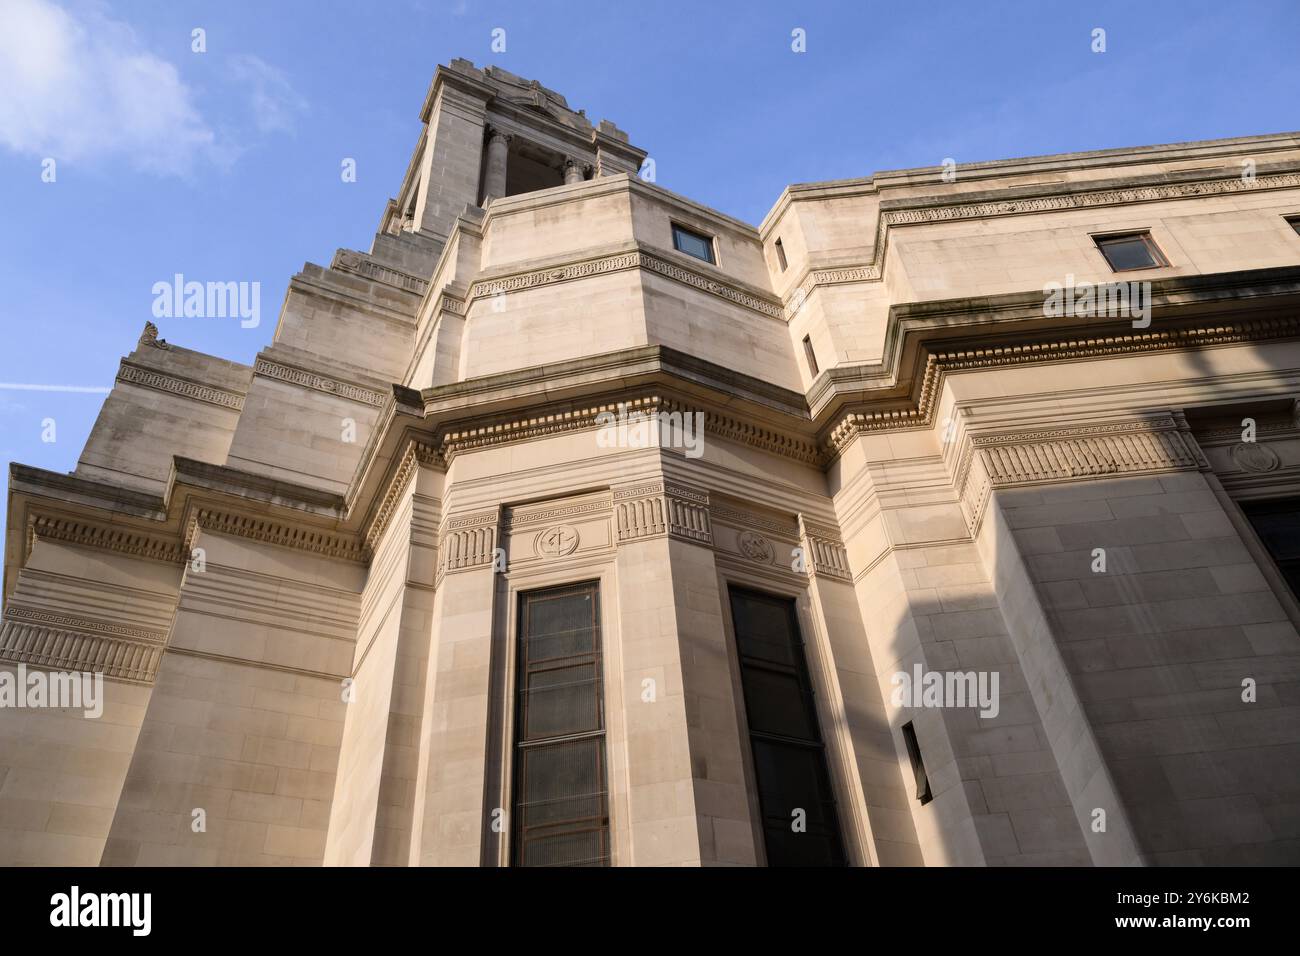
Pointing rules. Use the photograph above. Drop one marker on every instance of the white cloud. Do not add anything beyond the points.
(275, 104)
(80, 87)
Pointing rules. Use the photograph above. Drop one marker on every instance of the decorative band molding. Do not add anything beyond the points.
(518, 517)
(331, 386)
(749, 521)
(68, 622)
(149, 378)
(469, 543)
(659, 508)
(60, 649)
(824, 551)
(621, 262)
(326, 543)
(538, 426)
(1111, 449)
(122, 540)
(347, 261)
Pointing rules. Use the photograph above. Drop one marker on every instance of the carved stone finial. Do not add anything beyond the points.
(150, 337)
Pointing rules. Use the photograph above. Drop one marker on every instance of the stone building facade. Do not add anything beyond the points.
(576, 522)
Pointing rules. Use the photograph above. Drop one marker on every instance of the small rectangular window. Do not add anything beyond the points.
(692, 243)
(780, 255)
(1294, 222)
(810, 355)
(918, 765)
(1134, 250)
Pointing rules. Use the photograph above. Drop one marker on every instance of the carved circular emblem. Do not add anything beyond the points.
(755, 547)
(1253, 456)
(557, 541)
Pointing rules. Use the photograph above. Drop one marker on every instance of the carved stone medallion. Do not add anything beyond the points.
(755, 547)
(1253, 456)
(557, 541)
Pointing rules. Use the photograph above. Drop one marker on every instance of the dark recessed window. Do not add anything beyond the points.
(1278, 525)
(561, 803)
(692, 243)
(810, 355)
(780, 255)
(796, 803)
(1134, 250)
(918, 765)
(1294, 222)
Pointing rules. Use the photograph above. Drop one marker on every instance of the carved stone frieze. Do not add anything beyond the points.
(662, 508)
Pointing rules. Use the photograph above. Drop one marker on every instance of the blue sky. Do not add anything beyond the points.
(224, 165)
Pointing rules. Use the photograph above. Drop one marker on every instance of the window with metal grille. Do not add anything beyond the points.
(561, 815)
(800, 825)
(1278, 525)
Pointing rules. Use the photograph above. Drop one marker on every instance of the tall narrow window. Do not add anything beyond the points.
(1134, 250)
(780, 255)
(561, 813)
(1294, 222)
(1278, 525)
(811, 356)
(918, 765)
(800, 825)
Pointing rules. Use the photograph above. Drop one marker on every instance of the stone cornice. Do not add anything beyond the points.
(286, 534)
(415, 454)
(132, 374)
(328, 384)
(1046, 348)
(1025, 200)
(92, 534)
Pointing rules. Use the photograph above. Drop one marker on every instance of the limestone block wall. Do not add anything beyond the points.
(1158, 647)
(374, 795)
(246, 717)
(349, 318)
(552, 323)
(562, 222)
(306, 420)
(451, 161)
(166, 401)
(61, 770)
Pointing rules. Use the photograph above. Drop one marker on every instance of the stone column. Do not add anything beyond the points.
(494, 178)
(575, 171)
